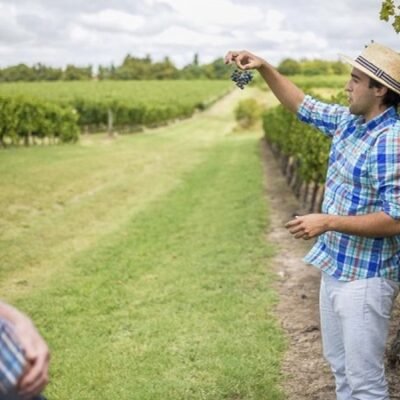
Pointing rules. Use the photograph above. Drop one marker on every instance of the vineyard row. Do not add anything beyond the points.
(302, 152)
(63, 111)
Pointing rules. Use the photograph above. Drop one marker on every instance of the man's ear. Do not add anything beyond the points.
(381, 91)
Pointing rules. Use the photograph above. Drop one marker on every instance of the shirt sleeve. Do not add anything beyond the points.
(385, 170)
(12, 359)
(323, 116)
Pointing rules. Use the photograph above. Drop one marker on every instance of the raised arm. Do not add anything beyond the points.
(286, 91)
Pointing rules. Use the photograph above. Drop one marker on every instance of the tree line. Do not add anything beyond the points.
(137, 68)
(132, 68)
(314, 67)
(144, 68)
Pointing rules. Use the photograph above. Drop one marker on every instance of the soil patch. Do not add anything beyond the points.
(306, 374)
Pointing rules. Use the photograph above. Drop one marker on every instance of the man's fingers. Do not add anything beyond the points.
(230, 57)
(293, 222)
(302, 235)
(243, 59)
(37, 376)
(238, 61)
(251, 64)
(296, 229)
(35, 380)
(299, 235)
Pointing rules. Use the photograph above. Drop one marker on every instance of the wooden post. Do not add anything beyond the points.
(110, 122)
(305, 194)
(314, 197)
(321, 197)
(284, 164)
(291, 170)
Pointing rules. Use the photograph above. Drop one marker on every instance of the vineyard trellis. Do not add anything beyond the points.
(27, 121)
(55, 112)
(302, 153)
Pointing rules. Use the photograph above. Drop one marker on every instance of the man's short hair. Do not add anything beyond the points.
(390, 99)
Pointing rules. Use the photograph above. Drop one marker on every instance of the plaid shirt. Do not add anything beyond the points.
(12, 361)
(363, 177)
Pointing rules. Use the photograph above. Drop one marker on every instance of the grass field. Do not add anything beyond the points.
(143, 261)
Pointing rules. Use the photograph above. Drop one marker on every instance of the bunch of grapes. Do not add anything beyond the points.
(241, 78)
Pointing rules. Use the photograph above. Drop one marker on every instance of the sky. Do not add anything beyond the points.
(103, 32)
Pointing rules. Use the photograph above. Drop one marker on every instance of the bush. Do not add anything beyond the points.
(289, 67)
(248, 112)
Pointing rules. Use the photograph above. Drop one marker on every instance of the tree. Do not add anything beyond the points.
(339, 68)
(164, 70)
(315, 67)
(104, 73)
(73, 73)
(289, 67)
(220, 69)
(134, 68)
(43, 73)
(20, 72)
(391, 11)
(192, 71)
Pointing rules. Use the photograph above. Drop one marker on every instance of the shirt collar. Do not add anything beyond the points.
(374, 122)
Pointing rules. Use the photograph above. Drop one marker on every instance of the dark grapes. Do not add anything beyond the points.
(241, 78)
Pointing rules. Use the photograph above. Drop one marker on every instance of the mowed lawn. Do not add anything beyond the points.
(143, 261)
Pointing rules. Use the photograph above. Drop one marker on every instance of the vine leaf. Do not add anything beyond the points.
(389, 11)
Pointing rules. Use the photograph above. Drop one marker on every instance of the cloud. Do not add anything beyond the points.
(222, 13)
(11, 31)
(110, 20)
(104, 31)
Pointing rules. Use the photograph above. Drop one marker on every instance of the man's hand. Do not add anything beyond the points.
(244, 59)
(308, 226)
(36, 375)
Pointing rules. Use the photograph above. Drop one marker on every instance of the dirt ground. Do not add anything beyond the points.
(306, 374)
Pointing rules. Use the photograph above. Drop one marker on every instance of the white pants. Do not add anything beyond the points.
(354, 324)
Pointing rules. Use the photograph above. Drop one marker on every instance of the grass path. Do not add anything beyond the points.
(144, 262)
(70, 196)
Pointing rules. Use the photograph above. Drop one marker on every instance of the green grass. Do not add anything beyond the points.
(320, 81)
(144, 263)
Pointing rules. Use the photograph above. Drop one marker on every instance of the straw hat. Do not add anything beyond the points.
(380, 63)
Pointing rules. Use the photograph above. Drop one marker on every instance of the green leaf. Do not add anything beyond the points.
(396, 23)
(390, 10)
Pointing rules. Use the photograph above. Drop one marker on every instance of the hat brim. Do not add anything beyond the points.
(367, 72)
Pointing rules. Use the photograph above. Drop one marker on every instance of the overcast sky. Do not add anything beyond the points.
(94, 32)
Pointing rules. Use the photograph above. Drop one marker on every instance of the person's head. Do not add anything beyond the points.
(375, 81)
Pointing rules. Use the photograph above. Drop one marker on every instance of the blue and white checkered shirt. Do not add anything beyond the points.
(363, 177)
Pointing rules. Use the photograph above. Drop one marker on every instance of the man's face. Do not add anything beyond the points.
(362, 99)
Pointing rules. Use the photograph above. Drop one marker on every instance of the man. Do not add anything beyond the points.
(358, 231)
(24, 357)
